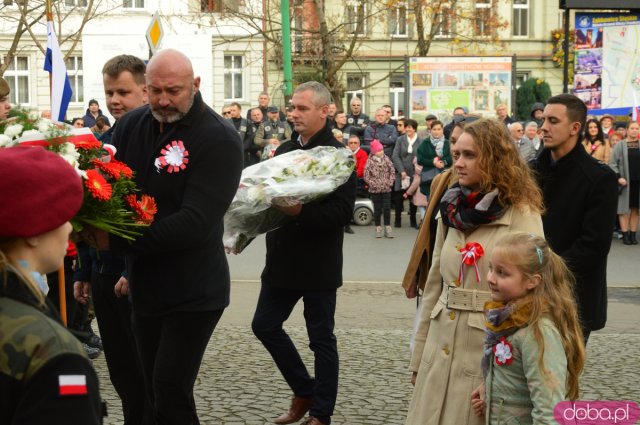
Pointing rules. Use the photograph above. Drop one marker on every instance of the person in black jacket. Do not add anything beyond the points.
(304, 260)
(580, 196)
(45, 375)
(189, 159)
(98, 272)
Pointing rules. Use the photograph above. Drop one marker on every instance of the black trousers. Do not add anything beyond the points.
(171, 349)
(113, 315)
(274, 307)
(381, 206)
(398, 203)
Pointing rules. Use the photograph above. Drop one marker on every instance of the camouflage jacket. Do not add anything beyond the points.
(45, 376)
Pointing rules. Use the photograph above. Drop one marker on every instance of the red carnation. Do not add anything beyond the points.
(115, 169)
(98, 186)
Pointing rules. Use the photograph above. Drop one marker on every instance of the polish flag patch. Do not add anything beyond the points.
(72, 384)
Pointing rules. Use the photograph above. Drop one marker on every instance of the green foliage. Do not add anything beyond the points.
(531, 91)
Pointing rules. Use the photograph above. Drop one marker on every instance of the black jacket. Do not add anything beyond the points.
(306, 253)
(179, 263)
(580, 197)
(37, 351)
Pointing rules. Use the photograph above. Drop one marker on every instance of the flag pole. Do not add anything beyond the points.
(62, 293)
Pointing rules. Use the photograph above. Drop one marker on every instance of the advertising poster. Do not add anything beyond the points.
(440, 84)
(607, 62)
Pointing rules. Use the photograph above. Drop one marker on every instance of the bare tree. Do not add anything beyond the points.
(29, 14)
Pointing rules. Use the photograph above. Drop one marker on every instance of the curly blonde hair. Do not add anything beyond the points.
(502, 168)
(553, 297)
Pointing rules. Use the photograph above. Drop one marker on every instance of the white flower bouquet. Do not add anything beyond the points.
(300, 176)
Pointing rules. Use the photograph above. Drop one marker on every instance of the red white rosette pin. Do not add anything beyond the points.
(471, 253)
(503, 352)
(174, 157)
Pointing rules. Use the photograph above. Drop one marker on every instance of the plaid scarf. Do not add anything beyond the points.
(465, 210)
(503, 319)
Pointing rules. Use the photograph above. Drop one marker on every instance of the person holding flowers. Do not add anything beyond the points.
(495, 195)
(534, 349)
(190, 160)
(99, 271)
(45, 375)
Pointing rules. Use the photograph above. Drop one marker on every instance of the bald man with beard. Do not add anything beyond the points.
(189, 159)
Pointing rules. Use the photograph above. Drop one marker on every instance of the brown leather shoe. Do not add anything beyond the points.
(311, 420)
(299, 407)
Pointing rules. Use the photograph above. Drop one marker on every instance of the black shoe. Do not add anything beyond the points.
(348, 229)
(94, 341)
(632, 235)
(626, 238)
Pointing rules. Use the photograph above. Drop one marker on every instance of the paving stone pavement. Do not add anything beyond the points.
(239, 384)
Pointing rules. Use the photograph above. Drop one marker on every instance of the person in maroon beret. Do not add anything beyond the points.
(45, 375)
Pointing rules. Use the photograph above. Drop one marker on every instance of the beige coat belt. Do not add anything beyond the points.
(464, 299)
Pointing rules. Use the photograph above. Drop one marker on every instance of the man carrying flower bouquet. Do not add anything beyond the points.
(125, 89)
(304, 260)
(189, 159)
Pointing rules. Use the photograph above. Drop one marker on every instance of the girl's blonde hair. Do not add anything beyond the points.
(502, 168)
(554, 296)
(7, 264)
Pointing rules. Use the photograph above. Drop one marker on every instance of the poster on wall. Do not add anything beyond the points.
(607, 62)
(438, 85)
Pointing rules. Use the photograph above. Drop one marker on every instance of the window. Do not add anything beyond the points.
(396, 95)
(520, 18)
(483, 18)
(133, 4)
(356, 12)
(219, 6)
(75, 3)
(521, 77)
(17, 75)
(443, 20)
(297, 36)
(74, 72)
(233, 77)
(398, 21)
(355, 84)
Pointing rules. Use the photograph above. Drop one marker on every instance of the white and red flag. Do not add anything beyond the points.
(72, 384)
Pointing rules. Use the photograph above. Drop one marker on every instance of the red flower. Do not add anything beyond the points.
(87, 144)
(503, 352)
(98, 186)
(144, 210)
(115, 169)
(471, 253)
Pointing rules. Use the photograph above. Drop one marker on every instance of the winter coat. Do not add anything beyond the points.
(90, 120)
(39, 355)
(361, 161)
(426, 153)
(526, 150)
(448, 342)
(417, 197)
(422, 253)
(520, 392)
(387, 134)
(178, 264)
(619, 163)
(379, 174)
(580, 197)
(403, 159)
(602, 151)
(306, 253)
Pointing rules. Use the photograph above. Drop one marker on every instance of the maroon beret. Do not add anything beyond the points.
(39, 191)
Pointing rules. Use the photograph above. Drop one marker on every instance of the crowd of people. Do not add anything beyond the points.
(515, 221)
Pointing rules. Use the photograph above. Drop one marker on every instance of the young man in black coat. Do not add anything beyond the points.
(189, 159)
(580, 196)
(304, 260)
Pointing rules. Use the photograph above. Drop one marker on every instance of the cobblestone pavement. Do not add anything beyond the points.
(239, 384)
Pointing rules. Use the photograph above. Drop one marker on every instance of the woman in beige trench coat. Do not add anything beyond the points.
(448, 345)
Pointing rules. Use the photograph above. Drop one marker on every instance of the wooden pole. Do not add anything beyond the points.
(62, 293)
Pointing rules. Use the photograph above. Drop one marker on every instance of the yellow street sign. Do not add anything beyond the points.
(154, 33)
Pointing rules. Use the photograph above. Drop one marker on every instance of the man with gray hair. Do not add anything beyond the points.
(304, 260)
(525, 146)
